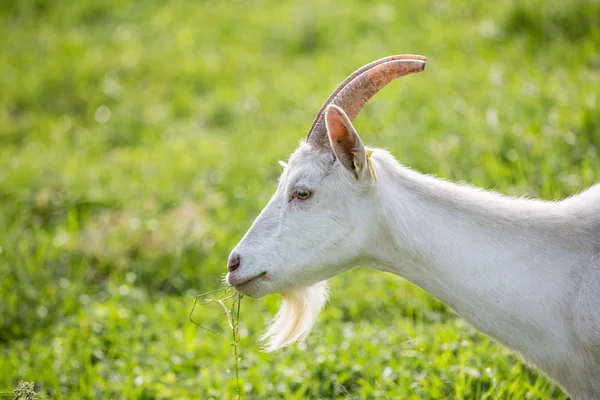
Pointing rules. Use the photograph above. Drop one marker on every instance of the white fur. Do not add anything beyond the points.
(525, 272)
(296, 317)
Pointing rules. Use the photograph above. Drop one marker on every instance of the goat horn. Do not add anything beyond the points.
(358, 88)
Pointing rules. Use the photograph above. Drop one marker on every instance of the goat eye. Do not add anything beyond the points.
(303, 194)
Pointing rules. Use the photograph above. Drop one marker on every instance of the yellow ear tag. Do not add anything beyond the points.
(369, 152)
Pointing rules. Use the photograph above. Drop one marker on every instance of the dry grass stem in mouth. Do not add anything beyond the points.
(233, 316)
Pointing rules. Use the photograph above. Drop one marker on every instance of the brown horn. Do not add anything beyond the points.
(358, 88)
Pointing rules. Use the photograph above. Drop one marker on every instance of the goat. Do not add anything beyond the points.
(525, 272)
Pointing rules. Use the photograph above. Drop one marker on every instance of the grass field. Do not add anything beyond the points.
(138, 141)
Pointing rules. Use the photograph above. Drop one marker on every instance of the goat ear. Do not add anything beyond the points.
(344, 139)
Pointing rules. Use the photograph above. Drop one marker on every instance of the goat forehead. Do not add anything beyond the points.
(306, 160)
(306, 166)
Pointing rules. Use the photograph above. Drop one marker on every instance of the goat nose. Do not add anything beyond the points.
(233, 263)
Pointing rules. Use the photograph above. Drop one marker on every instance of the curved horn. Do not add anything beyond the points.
(358, 88)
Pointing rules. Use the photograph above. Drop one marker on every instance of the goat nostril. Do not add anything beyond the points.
(233, 263)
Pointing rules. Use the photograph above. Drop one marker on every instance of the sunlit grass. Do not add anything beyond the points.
(230, 301)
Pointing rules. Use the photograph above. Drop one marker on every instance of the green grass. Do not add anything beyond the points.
(138, 140)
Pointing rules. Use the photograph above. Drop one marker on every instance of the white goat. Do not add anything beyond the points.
(525, 272)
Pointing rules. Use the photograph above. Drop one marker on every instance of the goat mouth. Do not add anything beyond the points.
(238, 286)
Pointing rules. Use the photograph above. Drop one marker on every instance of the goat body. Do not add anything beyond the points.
(525, 272)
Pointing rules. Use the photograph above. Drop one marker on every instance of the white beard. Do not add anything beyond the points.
(296, 316)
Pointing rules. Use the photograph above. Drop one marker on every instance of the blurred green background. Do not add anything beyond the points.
(138, 141)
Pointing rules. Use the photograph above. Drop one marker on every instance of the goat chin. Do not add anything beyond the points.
(296, 316)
